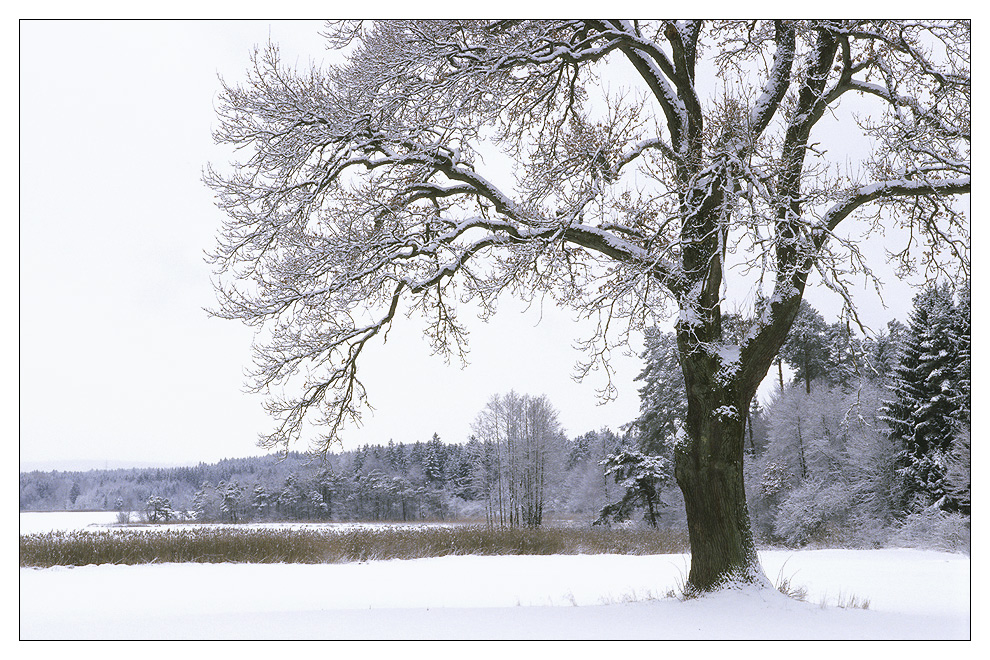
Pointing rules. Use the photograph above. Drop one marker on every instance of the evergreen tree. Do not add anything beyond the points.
(434, 462)
(203, 506)
(641, 472)
(807, 347)
(958, 475)
(641, 478)
(230, 500)
(882, 353)
(261, 501)
(291, 498)
(159, 509)
(844, 358)
(663, 401)
(958, 481)
(962, 390)
(395, 455)
(928, 388)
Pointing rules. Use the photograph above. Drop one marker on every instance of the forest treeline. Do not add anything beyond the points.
(866, 442)
(430, 480)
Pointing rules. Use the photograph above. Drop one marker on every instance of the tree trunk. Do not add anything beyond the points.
(651, 515)
(709, 471)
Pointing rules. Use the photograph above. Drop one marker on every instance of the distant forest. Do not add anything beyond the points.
(866, 442)
(429, 480)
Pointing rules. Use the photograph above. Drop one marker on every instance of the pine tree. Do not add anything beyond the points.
(159, 509)
(202, 505)
(958, 471)
(395, 454)
(261, 501)
(881, 354)
(290, 498)
(962, 335)
(230, 499)
(844, 359)
(641, 478)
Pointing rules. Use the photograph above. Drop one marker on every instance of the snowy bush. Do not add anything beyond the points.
(812, 512)
(775, 480)
(934, 529)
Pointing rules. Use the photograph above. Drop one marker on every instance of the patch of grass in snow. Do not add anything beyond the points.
(786, 586)
(314, 546)
(635, 597)
(851, 602)
(791, 590)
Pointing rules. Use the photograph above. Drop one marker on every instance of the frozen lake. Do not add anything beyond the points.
(39, 522)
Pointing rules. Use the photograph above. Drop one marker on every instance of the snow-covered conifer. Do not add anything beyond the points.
(923, 413)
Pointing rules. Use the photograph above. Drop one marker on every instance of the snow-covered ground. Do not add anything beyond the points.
(913, 594)
(40, 522)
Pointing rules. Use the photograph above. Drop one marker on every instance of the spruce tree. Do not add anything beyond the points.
(807, 347)
(924, 412)
(434, 462)
(642, 471)
(962, 381)
(663, 401)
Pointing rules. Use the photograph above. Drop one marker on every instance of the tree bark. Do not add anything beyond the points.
(709, 472)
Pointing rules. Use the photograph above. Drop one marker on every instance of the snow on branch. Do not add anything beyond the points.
(449, 161)
(889, 190)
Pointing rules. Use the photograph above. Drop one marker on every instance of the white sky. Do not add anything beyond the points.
(118, 360)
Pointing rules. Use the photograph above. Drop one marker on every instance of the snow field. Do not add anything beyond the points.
(913, 594)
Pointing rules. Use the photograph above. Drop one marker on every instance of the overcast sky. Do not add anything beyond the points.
(119, 362)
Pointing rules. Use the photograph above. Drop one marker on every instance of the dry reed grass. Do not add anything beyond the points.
(253, 545)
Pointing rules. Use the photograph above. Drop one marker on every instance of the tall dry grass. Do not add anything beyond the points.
(313, 546)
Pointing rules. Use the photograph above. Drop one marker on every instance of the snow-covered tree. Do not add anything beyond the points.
(640, 478)
(261, 501)
(435, 462)
(882, 352)
(204, 504)
(292, 498)
(367, 192)
(158, 509)
(958, 478)
(231, 504)
(74, 493)
(585, 488)
(829, 471)
(524, 435)
(641, 471)
(395, 454)
(662, 398)
(924, 412)
(806, 350)
(962, 344)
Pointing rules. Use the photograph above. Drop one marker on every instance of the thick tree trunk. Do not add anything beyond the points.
(709, 471)
(710, 474)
